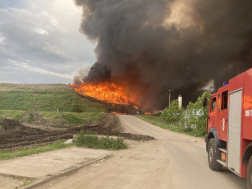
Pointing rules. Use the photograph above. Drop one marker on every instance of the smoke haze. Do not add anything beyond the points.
(153, 46)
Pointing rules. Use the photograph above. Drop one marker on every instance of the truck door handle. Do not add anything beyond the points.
(208, 117)
(226, 120)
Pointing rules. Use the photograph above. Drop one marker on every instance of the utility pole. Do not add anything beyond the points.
(169, 98)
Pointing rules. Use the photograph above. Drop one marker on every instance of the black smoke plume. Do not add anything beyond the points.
(156, 45)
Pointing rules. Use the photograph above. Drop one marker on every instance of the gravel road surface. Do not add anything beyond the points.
(173, 160)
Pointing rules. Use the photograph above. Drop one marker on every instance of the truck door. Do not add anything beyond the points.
(212, 112)
(222, 117)
(234, 130)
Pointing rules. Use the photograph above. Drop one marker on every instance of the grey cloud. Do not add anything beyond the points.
(31, 38)
(18, 75)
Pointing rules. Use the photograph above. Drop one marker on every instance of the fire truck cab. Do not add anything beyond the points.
(229, 127)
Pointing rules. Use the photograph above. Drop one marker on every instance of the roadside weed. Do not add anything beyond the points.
(91, 140)
(26, 183)
(36, 150)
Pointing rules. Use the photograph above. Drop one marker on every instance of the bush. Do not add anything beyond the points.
(110, 143)
(79, 140)
(91, 140)
(197, 114)
(187, 129)
(173, 114)
(194, 116)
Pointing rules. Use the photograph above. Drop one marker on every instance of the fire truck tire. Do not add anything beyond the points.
(212, 159)
(249, 174)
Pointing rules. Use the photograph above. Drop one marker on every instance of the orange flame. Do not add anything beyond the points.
(106, 91)
(136, 107)
(119, 113)
(111, 92)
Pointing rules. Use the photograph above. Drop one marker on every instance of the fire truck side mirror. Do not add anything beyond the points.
(204, 102)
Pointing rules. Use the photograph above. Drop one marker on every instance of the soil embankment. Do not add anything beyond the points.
(15, 135)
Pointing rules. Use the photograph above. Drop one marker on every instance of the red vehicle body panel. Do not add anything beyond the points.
(247, 127)
(222, 116)
(219, 118)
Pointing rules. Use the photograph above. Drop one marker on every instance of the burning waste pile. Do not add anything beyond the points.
(109, 91)
(146, 48)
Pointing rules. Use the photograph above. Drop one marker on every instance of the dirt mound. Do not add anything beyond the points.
(36, 119)
(33, 117)
(14, 135)
(10, 125)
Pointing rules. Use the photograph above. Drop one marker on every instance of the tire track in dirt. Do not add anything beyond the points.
(16, 136)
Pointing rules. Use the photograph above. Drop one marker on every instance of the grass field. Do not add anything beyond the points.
(51, 118)
(47, 99)
(158, 121)
(75, 118)
(55, 105)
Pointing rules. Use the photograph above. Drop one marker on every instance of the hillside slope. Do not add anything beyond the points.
(45, 97)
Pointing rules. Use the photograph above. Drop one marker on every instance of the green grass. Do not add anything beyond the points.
(88, 140)
(39, 149)
(73, 117)
(69, 117)
(31, 117)
(11, 114)
(93, 116)
(59, 97)
(17, 99)
(91, 140)
(26, 183)
(158, 121)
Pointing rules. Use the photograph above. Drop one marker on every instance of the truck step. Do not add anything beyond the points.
(223, 150)
(224, 164)
(221, 162)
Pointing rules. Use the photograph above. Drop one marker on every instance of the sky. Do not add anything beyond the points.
(40, 41)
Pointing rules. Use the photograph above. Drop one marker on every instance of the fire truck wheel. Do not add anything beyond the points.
(212, 160)
(249, 173)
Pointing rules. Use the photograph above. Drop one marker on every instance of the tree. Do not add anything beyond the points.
(197, 114)
(172, 114)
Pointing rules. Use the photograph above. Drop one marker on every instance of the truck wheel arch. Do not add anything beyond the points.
(210, 135)
(213, 134)
(247, 154)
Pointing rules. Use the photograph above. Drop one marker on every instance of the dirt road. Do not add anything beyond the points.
(173, 160)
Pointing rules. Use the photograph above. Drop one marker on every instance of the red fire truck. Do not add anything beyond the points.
(229, 126)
